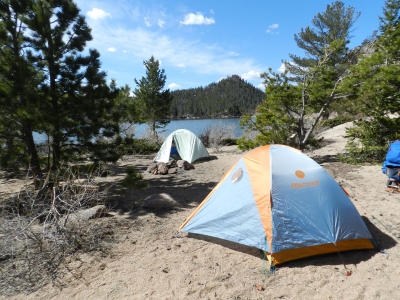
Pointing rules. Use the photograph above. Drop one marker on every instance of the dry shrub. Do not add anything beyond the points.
(205, 136)
(43, 230)
(216, 135)
(153, 139)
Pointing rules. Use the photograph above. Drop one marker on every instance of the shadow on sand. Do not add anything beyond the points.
(382, 240)
(185, 190)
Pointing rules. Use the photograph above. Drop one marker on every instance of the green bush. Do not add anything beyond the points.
(244, 143)
(357, 155)
(314, 142)
(330, 123)
(138, 146)
(133, 180)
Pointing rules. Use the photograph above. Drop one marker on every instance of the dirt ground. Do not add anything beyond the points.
(151, 259)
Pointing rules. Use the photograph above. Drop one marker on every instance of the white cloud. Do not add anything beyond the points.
(186, 54)
(211, 11)
(97, 14)
(161, 23)
(282, 68)
(112, 49)
(261, 86)
(173, 86)
(272, 29)
(124, 51)
(146, 21)
(233, 54)
(196, 19)
(251, 75)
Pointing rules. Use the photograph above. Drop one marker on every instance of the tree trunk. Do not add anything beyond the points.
(32, 151)
(56, 152)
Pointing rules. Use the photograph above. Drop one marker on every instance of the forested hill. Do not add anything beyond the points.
(231, 96)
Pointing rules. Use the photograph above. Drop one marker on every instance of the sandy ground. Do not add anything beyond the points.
(153, 260)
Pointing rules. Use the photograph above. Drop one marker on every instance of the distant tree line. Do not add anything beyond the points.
(231, 96)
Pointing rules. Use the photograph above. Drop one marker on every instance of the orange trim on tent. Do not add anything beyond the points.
(208, 196)
(298, 150)
(257, 162)
(292, 254)
(344, 190)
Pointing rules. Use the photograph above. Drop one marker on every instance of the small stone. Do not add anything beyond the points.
(172, 171)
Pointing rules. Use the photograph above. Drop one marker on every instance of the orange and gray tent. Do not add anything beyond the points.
(281, 201)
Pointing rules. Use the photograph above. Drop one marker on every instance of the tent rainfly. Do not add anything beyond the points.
(281, 201)
(188, 145)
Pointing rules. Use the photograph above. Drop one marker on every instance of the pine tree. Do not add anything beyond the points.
(155, 102)
(316, 76)
(19, 96)
(271, 121)
(78, 102)
(374, 82)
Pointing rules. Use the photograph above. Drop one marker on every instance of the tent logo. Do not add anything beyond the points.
(300, 174)
(299, 185)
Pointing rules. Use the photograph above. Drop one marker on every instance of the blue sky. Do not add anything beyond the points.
(201, 41)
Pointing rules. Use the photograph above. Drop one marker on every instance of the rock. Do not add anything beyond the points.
(188, 166)
(160, 201)
(152, 168)
(185, 165)
(162, 168)
(172, 163)
(172, 171)
(169, 168)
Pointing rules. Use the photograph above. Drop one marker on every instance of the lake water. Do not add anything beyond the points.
(196, 126)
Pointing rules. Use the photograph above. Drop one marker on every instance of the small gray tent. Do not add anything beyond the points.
(188, 145)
